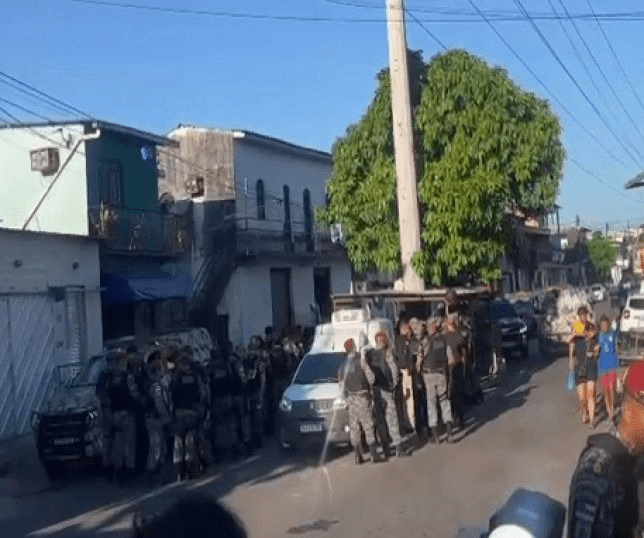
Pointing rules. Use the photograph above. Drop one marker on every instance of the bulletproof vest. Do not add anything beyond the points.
(436, 359)
(253, 375)
(185, 390)
(220, 379)
(157, 388)
(354, 377)
(119, 392)
(380, 368)
(603, 491)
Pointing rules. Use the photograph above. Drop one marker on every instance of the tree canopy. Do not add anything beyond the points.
(483, 145)
(603, 254)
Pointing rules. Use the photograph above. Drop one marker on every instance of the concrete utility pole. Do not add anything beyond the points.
(408, 215)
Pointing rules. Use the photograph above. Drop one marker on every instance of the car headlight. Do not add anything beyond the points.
(286, 404)
(339, 403)
(90, 417)
(35, 420)
(523, 329)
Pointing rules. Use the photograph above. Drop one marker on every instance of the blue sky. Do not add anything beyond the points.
(307, 81)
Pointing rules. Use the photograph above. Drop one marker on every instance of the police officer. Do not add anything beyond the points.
(407, 389)
(386, 377)
(255, 375)
(189, 401)
(242, 437)
(605, 498)
(158, 415)
(102, 393)
(355, 374)
(433, 365)
(124, 400)
(222, 423)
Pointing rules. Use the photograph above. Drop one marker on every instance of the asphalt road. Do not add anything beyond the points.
(526, 434)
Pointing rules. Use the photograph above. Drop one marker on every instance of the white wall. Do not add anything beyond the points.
(247, 300)
(277, 167)
(31, 263)
(65, 208)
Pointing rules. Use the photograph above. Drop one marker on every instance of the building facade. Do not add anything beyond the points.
(258, 257)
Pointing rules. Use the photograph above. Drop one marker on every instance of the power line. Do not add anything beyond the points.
(46, 95)
(601, 71)
(427, 31)
(543, 85)
(619, 63)
(574, 80)
(595, 176)
(498, 16)
(592, 78)
(24, 109)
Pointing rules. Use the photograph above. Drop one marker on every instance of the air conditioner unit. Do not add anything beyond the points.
(45, 160)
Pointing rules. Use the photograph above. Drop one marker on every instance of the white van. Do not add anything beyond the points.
(313, 409)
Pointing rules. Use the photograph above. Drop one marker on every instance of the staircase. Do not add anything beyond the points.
(213, 276)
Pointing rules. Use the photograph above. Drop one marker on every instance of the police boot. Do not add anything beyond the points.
(373, 450)
(358, 454)
(450, 432)
(385, 451)
(400, 451)
(435, 437)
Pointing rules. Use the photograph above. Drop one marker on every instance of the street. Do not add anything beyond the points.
(525, 434)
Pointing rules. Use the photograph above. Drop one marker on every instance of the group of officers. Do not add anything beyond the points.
(180, 414)
(424, 377)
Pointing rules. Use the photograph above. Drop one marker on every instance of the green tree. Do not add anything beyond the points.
(602, 253)
(482, 145)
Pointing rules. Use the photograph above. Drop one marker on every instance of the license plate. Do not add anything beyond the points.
(65, 441)
(310, 428)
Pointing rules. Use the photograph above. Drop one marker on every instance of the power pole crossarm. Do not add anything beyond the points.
(408, 214)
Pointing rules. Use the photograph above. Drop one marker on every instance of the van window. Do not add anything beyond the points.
(637, 304)
(319, 368)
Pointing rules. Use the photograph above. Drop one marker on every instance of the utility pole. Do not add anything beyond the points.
(408, 214)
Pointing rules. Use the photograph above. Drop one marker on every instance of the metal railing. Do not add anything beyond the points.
(254, 236)
(134, 230)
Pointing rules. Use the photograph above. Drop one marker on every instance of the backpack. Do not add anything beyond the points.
(603, 491)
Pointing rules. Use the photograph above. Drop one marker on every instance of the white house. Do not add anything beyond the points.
(258, 257)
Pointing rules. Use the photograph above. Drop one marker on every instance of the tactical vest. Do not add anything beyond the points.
(381, 370)
(119, 392)
(354, 377)
(253, 375)
(436, 359)
(220, 382)
(603, 491)
(185, 390)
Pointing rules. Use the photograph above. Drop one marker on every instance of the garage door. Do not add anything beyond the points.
(26, 359)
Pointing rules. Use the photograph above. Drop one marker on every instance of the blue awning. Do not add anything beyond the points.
(119, 288)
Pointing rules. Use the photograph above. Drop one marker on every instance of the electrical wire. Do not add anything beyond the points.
(600, 93)
(592, 174)
(601, 71)
(556, 56)
(46, 95)
(632, 16)
(427, 31)
(619, 63)
(24, 109)
(546, 89)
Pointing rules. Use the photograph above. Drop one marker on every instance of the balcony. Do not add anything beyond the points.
(264, 237)
(141, 232)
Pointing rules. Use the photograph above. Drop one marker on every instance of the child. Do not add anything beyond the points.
(585, 366)
(608, 364)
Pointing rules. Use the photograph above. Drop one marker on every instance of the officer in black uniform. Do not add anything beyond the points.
(222, 422)
(189, 401)
(255, 375)
(241, 419)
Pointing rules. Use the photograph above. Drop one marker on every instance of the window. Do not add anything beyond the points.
(287, 211)
(112, 183)
(308, 221)
(261, 201)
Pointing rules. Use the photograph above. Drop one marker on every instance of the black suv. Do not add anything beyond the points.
(514, 331)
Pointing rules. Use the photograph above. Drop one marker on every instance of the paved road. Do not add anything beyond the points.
(525, 434)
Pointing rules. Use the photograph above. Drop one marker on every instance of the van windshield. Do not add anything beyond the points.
(319, 368)
(637, 304)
